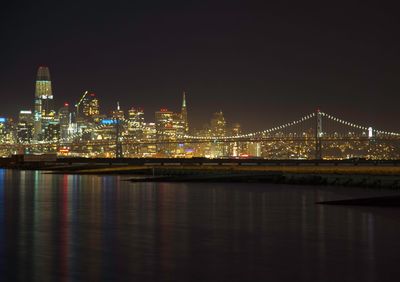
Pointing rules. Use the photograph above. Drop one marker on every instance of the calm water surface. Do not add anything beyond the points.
(100, 228)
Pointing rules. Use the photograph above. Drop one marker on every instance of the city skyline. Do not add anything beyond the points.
(259, 64)
(45, 102)
(56, 104)
(83, 129)
(45, 106)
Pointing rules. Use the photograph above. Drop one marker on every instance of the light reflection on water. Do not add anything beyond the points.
(92, 228)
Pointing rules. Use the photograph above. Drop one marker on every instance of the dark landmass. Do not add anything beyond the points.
(358, 173)
(387, 201)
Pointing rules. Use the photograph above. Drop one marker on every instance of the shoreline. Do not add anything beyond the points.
(379, 177)
(349, 180)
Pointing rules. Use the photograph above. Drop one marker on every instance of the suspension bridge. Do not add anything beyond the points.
(317, 131)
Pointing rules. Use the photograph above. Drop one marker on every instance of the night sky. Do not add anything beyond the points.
(260, 63)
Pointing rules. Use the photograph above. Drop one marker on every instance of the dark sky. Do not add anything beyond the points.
(260, 63)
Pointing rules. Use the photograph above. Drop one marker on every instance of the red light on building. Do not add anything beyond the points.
(66, 104)
(163, 110)
(92, 94)
(63, 150)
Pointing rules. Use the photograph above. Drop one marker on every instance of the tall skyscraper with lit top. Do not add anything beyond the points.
(43, 101)
(184, 113)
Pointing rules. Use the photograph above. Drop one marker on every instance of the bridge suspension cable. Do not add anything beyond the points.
(246, 135)
(357, 126)
(254, 134)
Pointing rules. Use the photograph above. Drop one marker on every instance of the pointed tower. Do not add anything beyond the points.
(184, 113)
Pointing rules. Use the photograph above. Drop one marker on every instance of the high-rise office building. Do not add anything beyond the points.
(135, 123)
(44, 111)
(7, 130)
(169, 128)
(164, 121)
(25, 127)
(218, 125)
(52, 131)
(87, 110)
(118, 113)
(235, 148)
(91, 106)
(184, 116)
(165, 131)
(65, 122)
(218, 129)
(150, 135)
(3, 129)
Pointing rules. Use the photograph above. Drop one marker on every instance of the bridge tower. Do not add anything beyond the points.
(318, 136)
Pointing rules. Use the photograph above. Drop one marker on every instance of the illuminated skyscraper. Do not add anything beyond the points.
(7, 130)
(184, 113)
(218, 129)
(43, 101)
(52, 131)
(169, 128)
(91, 106)
(164, 124)
(235, 148)
(149, 134)
(25, 127)
(165, 131)
(88, 108)
(218, 124)
(65, 121)
(3, 130)
(118, 113)
(135, 123)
